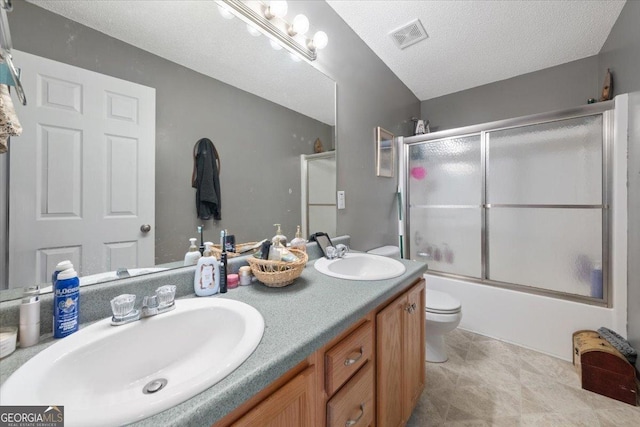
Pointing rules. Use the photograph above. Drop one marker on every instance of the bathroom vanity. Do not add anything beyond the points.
(336, 385)
(333, 350)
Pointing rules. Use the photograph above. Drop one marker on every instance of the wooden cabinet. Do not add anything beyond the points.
(290, 405)
(347, 356)
(349, 379)
(353, 405)
(371, 374)
(400, 356)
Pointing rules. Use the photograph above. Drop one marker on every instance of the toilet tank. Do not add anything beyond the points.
(388, 251)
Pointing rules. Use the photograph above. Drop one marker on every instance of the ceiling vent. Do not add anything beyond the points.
(409, 34)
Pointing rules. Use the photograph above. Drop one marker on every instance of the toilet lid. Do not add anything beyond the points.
(441, 302)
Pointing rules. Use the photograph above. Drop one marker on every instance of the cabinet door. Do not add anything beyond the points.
(389, 353)
(290, 406)
(414, 351)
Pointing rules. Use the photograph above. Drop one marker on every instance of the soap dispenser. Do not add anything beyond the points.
(207, 278)
(299, 242)
(193, 254)
(279, 237)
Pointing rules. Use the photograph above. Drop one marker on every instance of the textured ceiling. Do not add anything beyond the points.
(472, 43)
(193, 34)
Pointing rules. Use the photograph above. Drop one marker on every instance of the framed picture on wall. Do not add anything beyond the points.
(385, 153)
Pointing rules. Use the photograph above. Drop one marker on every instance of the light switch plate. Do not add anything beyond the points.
(341, 200)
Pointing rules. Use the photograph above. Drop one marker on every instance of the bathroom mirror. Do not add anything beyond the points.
(262, 110)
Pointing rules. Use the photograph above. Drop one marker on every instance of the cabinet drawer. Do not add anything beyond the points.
(345, 358)
(353, 404)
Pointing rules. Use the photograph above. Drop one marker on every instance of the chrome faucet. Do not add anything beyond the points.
(124, 311)
(121, 273)
(336, 252)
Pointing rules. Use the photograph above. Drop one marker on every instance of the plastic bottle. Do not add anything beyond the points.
(279, 237)
(62, 265)
(299, 242)
(30, 317)
(193, 254)
(66, 298)
(596, 281)
(245, 275)
(207, 278)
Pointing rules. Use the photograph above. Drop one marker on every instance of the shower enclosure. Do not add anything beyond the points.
(520, 203)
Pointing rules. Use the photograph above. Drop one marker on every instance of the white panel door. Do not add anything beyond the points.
(82, 178)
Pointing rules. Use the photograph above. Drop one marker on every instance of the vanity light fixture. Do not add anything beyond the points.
(268, 18)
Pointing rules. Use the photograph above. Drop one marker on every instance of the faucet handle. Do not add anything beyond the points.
(342, 249)
(123, 311)
(122, 305)
(331, 252)
(166, 295)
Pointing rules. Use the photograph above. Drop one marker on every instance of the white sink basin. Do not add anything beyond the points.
(99, 373)
(360, 266)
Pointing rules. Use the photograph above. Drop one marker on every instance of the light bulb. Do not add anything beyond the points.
(319, 40)
(300, 25)
(276, 8)
(275, 45)
(253, 30)
(225, 12)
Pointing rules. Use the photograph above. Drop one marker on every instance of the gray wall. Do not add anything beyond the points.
(561, 87)
(259, 142)
(555, 88)
(621, 53)
(369, 95)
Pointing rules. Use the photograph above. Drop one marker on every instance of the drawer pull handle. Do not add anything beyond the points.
(350, 423)
(349, 362)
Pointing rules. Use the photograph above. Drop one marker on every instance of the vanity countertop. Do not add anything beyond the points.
(299, 319)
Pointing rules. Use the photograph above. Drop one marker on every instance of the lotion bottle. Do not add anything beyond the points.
(30, 317)
(207, 278)
(298, 242)
(193, 255)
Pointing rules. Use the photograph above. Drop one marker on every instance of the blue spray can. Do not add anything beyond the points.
(66, 299)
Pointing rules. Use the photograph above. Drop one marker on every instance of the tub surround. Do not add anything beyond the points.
(299, 320)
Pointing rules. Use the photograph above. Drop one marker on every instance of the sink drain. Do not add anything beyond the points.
(154, 386)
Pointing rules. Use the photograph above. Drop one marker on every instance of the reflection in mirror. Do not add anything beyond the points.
(189, 73)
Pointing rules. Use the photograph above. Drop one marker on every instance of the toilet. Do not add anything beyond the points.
(442, 314)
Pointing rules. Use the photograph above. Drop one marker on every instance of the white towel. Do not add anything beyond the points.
(9, 123)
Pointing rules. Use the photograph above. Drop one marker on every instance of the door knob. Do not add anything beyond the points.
(145, 228)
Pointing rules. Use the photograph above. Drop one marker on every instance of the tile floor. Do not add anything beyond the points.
(487, 382)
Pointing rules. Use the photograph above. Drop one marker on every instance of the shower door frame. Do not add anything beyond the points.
(605, 109)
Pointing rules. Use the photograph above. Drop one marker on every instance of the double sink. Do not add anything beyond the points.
(106, 375)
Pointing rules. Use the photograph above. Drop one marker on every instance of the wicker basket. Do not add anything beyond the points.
(277, 274)
(217, 251)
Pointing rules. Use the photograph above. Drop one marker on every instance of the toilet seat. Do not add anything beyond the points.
(441, 303)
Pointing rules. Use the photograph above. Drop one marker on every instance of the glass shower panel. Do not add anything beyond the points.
(447, 239)
(557, 162)
(546, 248)
(446, 172)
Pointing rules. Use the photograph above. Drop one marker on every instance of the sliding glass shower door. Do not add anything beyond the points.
(445, 210)
(519, 203)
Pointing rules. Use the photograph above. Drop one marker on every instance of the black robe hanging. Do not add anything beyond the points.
(206, 180)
